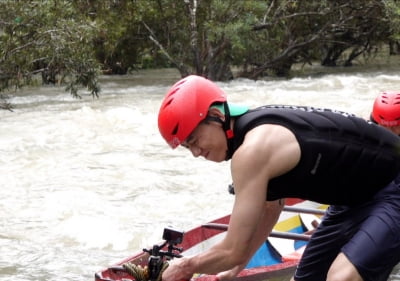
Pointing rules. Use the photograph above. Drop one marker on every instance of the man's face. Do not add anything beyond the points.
(207, 140)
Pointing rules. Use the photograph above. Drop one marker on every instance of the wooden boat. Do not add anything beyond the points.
(276, 258)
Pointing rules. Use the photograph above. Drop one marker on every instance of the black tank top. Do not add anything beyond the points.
(344, 160)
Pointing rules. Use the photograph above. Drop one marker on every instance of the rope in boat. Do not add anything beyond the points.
(142, 273)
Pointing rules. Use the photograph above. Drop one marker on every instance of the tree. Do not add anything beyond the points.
(305, 31)
(201, 36)
(69, 42)
(267, 37)
(49, 39)
(120, 39)
(392, 11)
(357, 28)
(285, 34)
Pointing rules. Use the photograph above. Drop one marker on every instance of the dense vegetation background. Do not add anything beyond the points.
(72, 42)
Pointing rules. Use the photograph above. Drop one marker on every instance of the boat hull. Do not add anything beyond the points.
(267, 263)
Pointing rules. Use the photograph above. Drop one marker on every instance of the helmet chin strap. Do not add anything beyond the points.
(226, 126)
(228, 132)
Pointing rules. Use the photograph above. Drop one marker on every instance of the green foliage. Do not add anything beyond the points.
(46, 38)
(121, 41)
(70, 42)
(392, 10)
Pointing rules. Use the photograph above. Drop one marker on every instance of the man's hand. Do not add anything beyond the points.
(177, 270)
(229, 274)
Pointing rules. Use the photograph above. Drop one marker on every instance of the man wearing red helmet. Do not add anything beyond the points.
(386, 111)
(277, 152)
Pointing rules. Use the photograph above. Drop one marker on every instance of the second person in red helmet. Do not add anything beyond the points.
(386, 111)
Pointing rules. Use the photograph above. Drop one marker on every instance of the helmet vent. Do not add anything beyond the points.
(170, 97)
(168, 103)
(173, 91)
(175, 130)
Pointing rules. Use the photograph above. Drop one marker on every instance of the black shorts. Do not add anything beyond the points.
(368, 234)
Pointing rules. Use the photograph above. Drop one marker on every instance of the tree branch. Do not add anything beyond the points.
(182, 69)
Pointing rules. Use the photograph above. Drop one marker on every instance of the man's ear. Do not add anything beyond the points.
(215, 112)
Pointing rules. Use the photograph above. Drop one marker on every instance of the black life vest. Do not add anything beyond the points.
(345, 159)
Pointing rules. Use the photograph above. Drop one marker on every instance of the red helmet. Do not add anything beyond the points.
(386, 109)
(185, 105)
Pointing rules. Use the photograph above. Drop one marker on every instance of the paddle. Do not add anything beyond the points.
(288, 253)
(287, 208)
(303, 210)
(278, 234)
